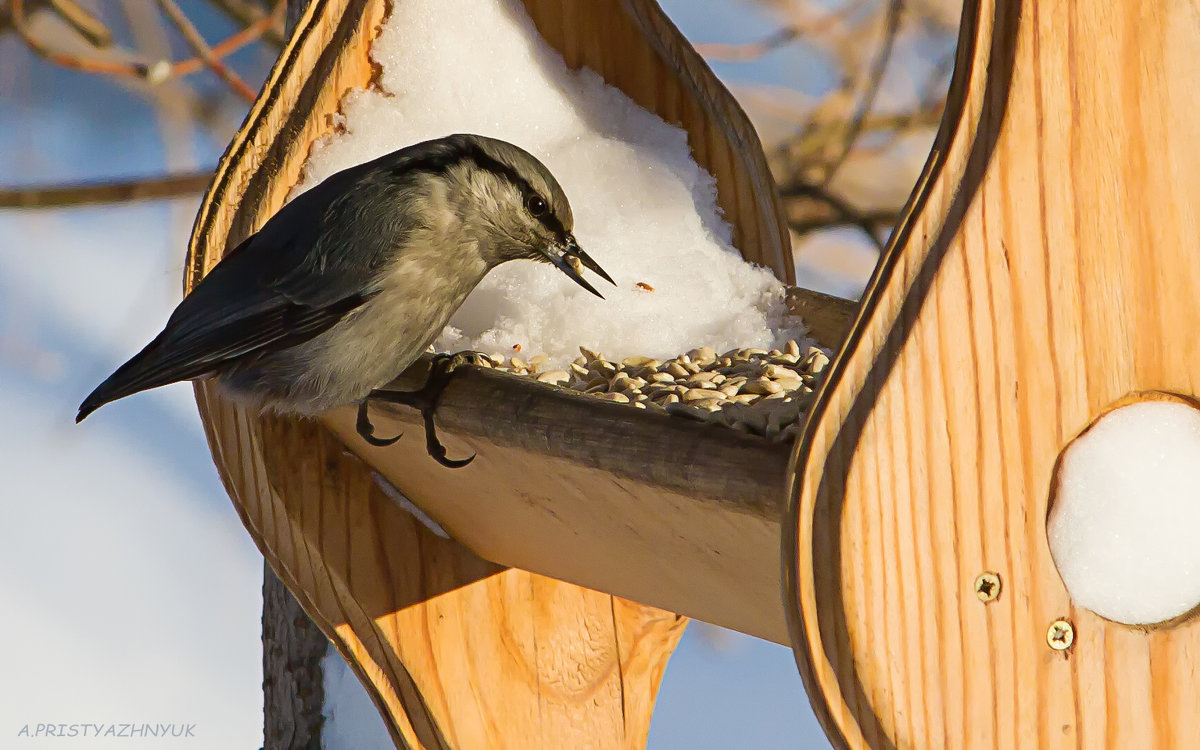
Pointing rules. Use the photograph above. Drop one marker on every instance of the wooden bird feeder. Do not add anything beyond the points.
(1045, 269)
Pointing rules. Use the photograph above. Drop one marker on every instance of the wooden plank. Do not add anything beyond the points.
(1046, 269)
(654, 508)
(828, 318)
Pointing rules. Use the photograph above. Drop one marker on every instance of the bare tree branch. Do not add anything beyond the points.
(189, 32)
(845, 213)
(874, 80)
(117, 191)
(124, 63)
(229, 45)
(247, 14)
(785, 35)
(85, 24)
(86, 64)
(817, 138)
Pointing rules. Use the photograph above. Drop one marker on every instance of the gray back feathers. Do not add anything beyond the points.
(320, 259)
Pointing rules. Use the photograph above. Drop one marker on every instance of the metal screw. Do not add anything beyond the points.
(1061, 635)
(987, 586)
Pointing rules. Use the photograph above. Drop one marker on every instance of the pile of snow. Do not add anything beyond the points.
(1126, 514)
(643, 208)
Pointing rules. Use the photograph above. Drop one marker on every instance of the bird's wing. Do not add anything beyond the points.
(308, 267)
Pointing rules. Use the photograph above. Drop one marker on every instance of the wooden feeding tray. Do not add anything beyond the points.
(652, 508)
(1045, 270)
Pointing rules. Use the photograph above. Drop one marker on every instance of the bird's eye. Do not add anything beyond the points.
(535, 205)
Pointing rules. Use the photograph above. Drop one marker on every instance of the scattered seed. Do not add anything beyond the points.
(644, 286)
(702, 354)
(636, 361)
(775, 372)
(751, 390)
(762, 386)
(554, 376)
(816, 362)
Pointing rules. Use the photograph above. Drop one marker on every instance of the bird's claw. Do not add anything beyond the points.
(425, 400)
(367, 430)
(435, 447)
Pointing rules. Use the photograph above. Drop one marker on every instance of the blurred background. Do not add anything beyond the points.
(129, 591)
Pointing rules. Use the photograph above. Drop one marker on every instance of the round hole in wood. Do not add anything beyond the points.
(1125, 511)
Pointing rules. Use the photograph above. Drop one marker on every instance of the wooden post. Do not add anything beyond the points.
(1047, 268)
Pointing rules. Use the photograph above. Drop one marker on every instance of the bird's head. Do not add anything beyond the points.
(517, 209)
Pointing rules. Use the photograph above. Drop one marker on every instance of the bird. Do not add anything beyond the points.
(350, 282)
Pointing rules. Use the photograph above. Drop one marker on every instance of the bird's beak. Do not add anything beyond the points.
(569, 261)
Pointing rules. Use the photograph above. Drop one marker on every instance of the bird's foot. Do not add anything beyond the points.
(425, 400)
(366, 430)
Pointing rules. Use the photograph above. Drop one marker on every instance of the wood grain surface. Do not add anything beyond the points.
(456, 651)
(1047, 268)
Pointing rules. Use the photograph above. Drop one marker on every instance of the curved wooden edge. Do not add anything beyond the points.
(831, 686)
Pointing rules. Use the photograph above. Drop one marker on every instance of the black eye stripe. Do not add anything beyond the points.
(448, 155)
(547, 218)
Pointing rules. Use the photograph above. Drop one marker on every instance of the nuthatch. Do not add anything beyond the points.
(344, 288)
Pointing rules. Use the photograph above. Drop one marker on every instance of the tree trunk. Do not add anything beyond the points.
(293, 681)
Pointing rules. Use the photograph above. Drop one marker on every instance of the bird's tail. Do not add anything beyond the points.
(142, 372)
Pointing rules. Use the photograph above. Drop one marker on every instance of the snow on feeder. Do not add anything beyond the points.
(676, 504)
(1125, 509)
